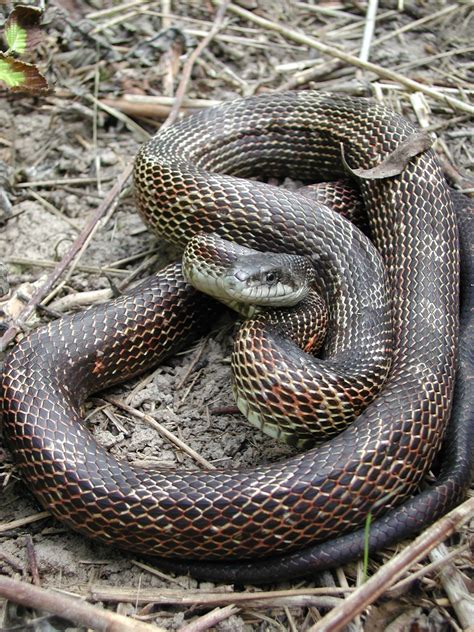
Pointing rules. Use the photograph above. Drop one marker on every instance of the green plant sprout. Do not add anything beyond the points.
(22, 33)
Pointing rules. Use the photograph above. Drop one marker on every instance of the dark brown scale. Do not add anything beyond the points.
(274, 380)
(341, 196)
(328, 490)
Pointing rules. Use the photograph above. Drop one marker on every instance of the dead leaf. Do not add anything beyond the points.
(394, 163)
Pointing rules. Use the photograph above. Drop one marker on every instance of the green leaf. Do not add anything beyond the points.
(16, 38)
(21, 77)
(10, 75)
(22, 30)
(365, 570)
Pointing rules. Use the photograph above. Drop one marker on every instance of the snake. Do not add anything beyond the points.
(306, 512)
(277, 383)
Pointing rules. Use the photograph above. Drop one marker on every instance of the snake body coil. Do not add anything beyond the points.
(328, 490)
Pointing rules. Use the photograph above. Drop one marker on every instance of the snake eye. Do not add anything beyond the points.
(271, 277)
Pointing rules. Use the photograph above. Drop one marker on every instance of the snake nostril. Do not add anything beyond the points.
(240, 275)
(234, 278)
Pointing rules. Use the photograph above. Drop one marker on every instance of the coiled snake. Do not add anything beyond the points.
(280, 508)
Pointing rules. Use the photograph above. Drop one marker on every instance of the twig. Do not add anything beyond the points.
(305, 40)
(58, 271)
(97, 164)
(368, 30)
(312, 74)
(247, 41)
(192, 365)
(69, 608)
(32, 560)
(166, 21)
(119, 8)
(416, 23)
(49, 263)
(333, 13)
(188, 66)
(56, 183)
(424, 61)
(162, 430)
(21, 522)
(291, 621)
(154, 571)
(225, 410)
(118, 19)
(455, 587)
(351, 29)
(145, 109)
(11, 561)
(392, 570)
(210, 619)
(404, 584)
(323, 597)
(155, 100)
(53, 210)
(108, 106)
(439, 88)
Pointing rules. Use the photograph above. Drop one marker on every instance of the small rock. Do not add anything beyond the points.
(108, 158)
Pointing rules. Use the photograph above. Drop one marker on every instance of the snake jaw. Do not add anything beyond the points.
(255, 290)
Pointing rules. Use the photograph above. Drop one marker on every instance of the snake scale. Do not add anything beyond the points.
(189, 179)
(278, 383)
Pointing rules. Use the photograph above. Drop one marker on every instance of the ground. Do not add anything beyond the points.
(61, 154)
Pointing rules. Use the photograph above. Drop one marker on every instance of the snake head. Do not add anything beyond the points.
(239, 276)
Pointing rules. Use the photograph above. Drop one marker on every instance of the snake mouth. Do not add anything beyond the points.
(238, 286)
